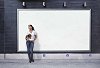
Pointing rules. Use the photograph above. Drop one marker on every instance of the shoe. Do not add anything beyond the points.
(33, 60)
(30, 61)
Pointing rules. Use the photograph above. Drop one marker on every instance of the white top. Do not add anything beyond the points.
(32, 35)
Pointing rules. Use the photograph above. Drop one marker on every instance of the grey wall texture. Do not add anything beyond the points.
(1, 26)
(8, 20)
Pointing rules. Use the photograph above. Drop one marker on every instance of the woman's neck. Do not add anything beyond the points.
(30, 31)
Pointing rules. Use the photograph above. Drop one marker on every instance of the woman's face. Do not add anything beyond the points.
(29, 27)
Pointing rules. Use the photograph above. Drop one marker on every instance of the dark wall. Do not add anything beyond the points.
(10, 20)
(1, 26)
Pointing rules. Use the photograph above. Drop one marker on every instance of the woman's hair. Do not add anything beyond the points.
(32, 27)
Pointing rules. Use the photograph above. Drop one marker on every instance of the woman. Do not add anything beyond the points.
(30, 38)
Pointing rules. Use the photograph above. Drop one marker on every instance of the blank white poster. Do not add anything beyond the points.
(57, 30)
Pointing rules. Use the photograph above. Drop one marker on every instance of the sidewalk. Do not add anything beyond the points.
(50, 64)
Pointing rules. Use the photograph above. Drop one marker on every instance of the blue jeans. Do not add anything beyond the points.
(30, 45)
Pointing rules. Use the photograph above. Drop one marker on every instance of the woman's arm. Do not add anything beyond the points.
(35, 37)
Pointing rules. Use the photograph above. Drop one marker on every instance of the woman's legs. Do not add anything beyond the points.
(28, 49)
(30, 46)
(31, 50)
